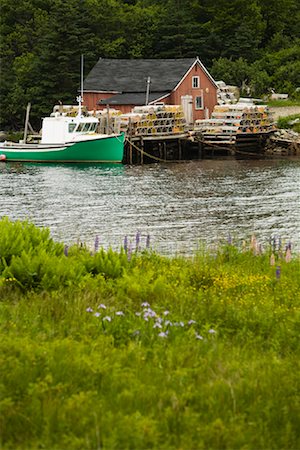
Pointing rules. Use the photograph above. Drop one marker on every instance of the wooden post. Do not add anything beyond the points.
(26, 122)
(199, 150)
(108, 124)
(165, 150)
(179, 150)
(130, 142)
(142, 148)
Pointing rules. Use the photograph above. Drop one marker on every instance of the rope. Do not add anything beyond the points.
(156, 158)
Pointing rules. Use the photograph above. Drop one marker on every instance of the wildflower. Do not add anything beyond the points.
(229, 239)
(136, 333)
(107, 318)
(120, 313)
(198, 336)
(66, 250)
(97, 314)
(181, 324)
(129, 252)
(96, 244)
(148, 241)
(288, 255)
(163, 334)
(157, 325)
(101, 306)
(272, 260)
(126, 244)
(253, 243)
(145, 304)
(167, 323)
(138, 314)
(211, 331)
(166, 313)
(89, 309)
(190, 322)
(288, 246)
(278, 272)
(137, 241)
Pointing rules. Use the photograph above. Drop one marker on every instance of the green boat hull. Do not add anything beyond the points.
(103, 149)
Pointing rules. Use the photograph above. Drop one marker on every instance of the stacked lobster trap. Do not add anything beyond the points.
(154, 120)
(228, 120)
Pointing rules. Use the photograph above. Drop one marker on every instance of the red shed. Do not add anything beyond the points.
(125, 83)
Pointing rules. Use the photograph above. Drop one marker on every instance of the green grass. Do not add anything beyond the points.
(283, 103)
(99, 350)
(287, 122)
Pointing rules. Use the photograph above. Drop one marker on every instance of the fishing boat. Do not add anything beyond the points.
(67, 139)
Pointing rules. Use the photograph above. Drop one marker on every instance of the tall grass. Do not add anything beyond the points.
(111, 350)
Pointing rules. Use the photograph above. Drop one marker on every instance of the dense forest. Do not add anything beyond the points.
(243, 42)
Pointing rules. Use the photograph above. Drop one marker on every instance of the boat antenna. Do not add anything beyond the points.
(80, 97)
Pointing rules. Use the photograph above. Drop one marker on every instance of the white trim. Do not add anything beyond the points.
(194, 78)
(202, 102)
(197, 61)
(160, 98)
(101, 92)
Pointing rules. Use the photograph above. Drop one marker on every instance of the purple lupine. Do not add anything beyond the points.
(66, 250)
(278, 272)
(129, 252)
(288, 246)
(137, 241)
(126, 243)
(229, 239)
(148, 241)
(96, 244)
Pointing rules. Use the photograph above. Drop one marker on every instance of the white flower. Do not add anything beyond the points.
(108, 318)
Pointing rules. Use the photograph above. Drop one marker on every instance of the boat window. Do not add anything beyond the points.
(72, 127)
(86, 127)
(80, 128)
(93, 127)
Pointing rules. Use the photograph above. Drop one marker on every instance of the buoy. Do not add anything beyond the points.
(2, 157)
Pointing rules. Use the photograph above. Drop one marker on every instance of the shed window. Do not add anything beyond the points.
(196, 82)
(199, 102)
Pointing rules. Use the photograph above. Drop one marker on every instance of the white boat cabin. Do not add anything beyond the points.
(61, 129)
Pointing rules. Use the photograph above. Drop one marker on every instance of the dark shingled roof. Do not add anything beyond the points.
(130, 75)
(132, 98)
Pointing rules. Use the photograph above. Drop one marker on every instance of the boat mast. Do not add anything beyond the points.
(80, 97)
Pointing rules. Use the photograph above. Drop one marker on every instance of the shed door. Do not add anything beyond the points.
(187, 105)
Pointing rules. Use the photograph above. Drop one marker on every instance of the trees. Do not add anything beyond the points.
(42, 40)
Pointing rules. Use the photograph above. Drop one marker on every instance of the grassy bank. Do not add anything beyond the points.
(132, 350)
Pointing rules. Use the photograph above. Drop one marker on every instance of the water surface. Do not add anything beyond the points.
(179, 205)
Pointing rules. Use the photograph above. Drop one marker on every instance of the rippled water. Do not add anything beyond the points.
(179, 205)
